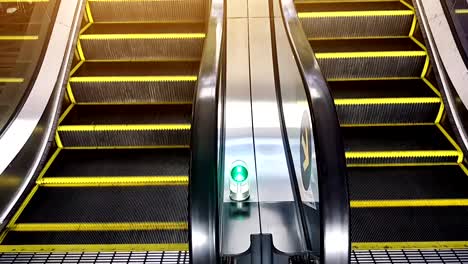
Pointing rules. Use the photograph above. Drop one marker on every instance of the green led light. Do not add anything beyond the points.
(239, 173)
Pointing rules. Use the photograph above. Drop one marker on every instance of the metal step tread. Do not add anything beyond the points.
(135, 68)
(144, 28)
(120, 163)
(96, 240)
(409, 182)
(88, 115)
(395, 138)
(405, 44)
(410, 224)
(338, 6)
(355, 89)
(129, 204)
(409, 256)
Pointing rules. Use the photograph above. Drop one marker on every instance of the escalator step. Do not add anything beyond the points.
(385, 101)
(401, 183)
(409, 224)
(128, 114)
(102, 240)
(120, 162)
(91, 126)
(19, 30)
(369, 58)
(143, 41)
(107, 205)
(322, 19)
(398, 144)
(135, 82)
(144, 11)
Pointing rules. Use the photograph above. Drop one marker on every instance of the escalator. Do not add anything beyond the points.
(406, 173)
(117, 178)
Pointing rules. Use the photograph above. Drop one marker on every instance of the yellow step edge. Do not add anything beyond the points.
(135, 103)
(73, 227)
(111, 181)
(386, 124)
(454, 144)
(409, 203)
(370, 54)
(372, 79)
(192, 78)
(143, 36)
(13, 37)
(130, 147)
(461, 11)
(66, 128)
(408, 100)
(318, 14)
(402, 164)
(357, 37)
(409, 245)
(12, 80)
(24, 1)
(402, 154)
(94, 247)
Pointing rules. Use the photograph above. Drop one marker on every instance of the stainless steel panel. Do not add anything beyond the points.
(259, 8)
(238, 140)
(236, 8)
(272, 171)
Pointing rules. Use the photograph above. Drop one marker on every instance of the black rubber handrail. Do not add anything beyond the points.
(331, 162)
(203, 189)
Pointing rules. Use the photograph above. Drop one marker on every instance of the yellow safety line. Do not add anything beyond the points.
(363, 101)
(3, 235)
(130, 226)
(85, 28)
(413, 27)
(409, 203)
(319, 2)
(23, 206)
(77, 56)
(464, 169)
(49, 163)
(70, 93)
(131, 147)
(407, 5)
(402, 164)
(134, 79)
(80, 50)
(123, 127)
(418, 43)
(355, 13)
(12, 80)
(145, 60)
(29, 37)
(135, 103)
(104, 181)
(65, 113)
(94, 247)
(461, 11)
(402, 154)
(386, 124)
(439, 114)
(356, 37)
(371, 79)
(370, 54)
(88, 13)
(77, 66)
(143, 36)
(426, 67)
(431, 86)
(454, 144)
(409, 245)
(58, 141)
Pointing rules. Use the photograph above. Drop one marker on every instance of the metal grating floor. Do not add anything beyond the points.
(152, 257)
(410, 256)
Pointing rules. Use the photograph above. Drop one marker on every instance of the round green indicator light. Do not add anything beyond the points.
(239, 173)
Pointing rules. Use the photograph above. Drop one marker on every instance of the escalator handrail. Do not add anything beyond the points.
(203, 204)
(331, 161)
